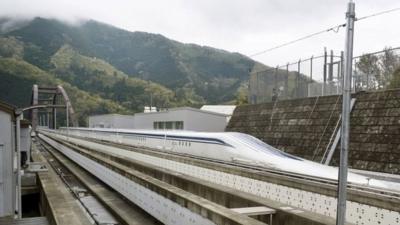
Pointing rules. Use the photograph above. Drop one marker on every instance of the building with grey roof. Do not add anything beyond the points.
(182, 118)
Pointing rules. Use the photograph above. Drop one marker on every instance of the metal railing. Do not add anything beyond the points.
(322, 76)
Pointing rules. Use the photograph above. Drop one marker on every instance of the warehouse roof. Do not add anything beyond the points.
(8, 108)
(224, 109)
(111, 114)
(183, 108)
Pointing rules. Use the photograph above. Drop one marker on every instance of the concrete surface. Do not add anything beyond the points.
(57, 202)
(127, 213)
(303, 127)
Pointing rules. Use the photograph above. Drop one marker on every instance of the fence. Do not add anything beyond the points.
(375, 70)
(322, 75)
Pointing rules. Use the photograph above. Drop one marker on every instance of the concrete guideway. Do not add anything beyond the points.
(126, 213)
(59, 205)
(167, 203)
(221, 194)
(24, 221)
(359, 211)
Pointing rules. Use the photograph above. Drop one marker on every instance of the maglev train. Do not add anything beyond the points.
(225, 146)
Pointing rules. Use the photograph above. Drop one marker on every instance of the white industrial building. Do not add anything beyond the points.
(7, 151)
(112, 121)
(183, 118)
(14, 131)
(223, 109)
(212, 119)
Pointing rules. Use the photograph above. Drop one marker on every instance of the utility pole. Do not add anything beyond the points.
(54, 118)
(311, 67)
(348, 59)
(330, 74)
(151, 102)
(298, 78)
(325, 65)
(48, 119)
(287, 81)
(20, 115)
(67, 115)
(276, 77)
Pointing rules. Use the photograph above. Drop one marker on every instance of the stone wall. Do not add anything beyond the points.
(304, 127)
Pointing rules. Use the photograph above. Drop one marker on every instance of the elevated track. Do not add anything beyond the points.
(125, 213)
(182, 189)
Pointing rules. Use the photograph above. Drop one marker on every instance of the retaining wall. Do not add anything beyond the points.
(304, 127)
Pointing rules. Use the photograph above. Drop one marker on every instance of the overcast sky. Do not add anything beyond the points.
(245, 26)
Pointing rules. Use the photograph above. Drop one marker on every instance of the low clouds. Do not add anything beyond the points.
(245, 26)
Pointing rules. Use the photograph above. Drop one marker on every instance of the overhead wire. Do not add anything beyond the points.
(378, 14)
(334, 29)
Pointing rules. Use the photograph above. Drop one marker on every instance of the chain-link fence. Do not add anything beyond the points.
(322, 75)
(377, 70)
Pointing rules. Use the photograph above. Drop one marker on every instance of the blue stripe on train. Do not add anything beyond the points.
(168, 137)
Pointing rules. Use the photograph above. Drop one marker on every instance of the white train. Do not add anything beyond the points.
(226, 146)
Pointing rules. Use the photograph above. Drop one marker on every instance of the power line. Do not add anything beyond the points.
(334, 29)
(378, 13)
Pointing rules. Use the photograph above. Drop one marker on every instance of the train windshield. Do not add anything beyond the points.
(259, 145)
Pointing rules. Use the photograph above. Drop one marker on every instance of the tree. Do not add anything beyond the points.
(369, 71)
(375, 71)
(242, 94)
(395, 81)
(388, 63)
(11, 47)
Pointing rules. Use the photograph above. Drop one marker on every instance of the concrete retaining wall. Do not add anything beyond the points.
(303, 127)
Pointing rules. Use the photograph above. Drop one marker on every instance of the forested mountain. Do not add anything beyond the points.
(117, 67)
(17, 78)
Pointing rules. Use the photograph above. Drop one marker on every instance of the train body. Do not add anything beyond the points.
(224, 146)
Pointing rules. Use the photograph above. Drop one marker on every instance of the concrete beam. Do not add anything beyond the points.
(210, 210)
(57, 202)
(255, 211)
(126, 213)
(377, 199)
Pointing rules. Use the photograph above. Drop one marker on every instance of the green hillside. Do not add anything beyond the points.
(17, 78)
(97, 76)
(213, 75)
(118, 68)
